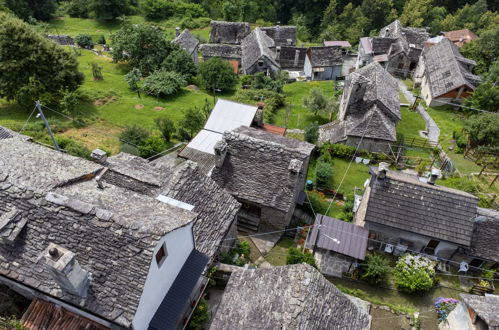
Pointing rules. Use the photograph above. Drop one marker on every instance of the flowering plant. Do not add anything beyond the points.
(444, 306)
(414, 273)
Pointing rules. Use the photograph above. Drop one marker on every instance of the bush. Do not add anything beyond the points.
(84, 41)
(194, 23)
(134, 135)
(238, 255)
(343, 151)
(296, 256)
(347, 214)
(163, 83)
(273, 101)
(72, 147)
(315, 203)
(312, 133)
(377, 269)
(159, 9)
(71, 100)
(152, 146)
(181, 62)
(217, 74)
(200, 316)
(166, 126)
(101, 40)
(414, 273)
(323, 174)
(78, 8)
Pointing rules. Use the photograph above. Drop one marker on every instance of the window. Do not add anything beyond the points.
(260, 63)
(161, 255)
(401, 65)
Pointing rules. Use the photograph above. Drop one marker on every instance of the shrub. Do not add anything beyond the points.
(163, 83)
(78, 8)
(194, 23)
(323, 174)
(444, 306)
(84, 41)
(315, 203)
(181, 62)
(312, 133)
(200, 316)
(159, 9)
(347, 214)
(134, 135)
(217, 74)
(296, 256)
(71, 100)
(273, 101)
(342, 151)
(191, 123)
(238, 255)
(152, 146)
(422, 166)
(101, 40)
(414, 273)
(72, 147)
(166, 126)
(377, 269)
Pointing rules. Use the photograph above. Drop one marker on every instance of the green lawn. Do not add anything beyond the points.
(411, 123)
(300, 116)
(277, 256)
(402, 97)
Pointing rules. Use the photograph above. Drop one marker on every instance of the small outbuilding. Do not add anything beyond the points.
(323, 63)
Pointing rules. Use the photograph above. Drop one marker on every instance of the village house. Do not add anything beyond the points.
(290, 58)
(344, 44)
(265, 172)
(444, 75)
(228, 32)
(287, 297)
(113, 242)
(257, 53)
(226, 52)
(484, 243)
(473, 313)
(282, 35)
(369, 111)
(323, 63)
(188, 42)
(460, 37)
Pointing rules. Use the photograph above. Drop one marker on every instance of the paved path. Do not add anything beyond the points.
(431, 126)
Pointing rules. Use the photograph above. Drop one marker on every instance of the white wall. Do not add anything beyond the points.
(307, 68)
(179, 244)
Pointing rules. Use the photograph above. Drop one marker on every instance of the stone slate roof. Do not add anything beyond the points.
(381, 45)
(286, 297)
(221, 50)
(282, 35)
(255, 46)
(205, 161)
(446, 69)
(62, 40)
(228, 32)
(484, 243)
(187, 41)
(370, 122)
(290, 60)
(333, 132)
(257, 167)
(325, 56)
(413, 36)
(402, 201)
(486, 307)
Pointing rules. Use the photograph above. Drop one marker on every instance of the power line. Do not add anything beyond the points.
(27, 120)
(466, 107)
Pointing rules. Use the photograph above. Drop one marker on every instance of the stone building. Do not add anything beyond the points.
(323, 63)
(290, 58)
(473, 313)
(265, 172)
(282, 35)
(258, 54)
(228, 32)
(114, 242)
(226, 52)
(444, 75)
(188, 42)
(369, 111)
(287, 297)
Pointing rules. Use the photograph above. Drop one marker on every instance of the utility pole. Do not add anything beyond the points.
(38, 105)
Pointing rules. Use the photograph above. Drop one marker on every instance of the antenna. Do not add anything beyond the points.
(38, 105)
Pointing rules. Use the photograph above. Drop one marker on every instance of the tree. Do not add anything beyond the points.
(143, 46)
(377, 269)
(379, 12)
(134, 135)
(166, 126)
(109, 9)
(163, 83)
(319, 104)
(97, 72)
(151, 146)
(78, 8)
(133, 79)
(414, 273)
(33, 67)
(42, 10)
(483, 131)
(179, 61)
(217, 74)
(416, 13)
(192, 122)
(323, 174)
(84, 41)
(312, 133)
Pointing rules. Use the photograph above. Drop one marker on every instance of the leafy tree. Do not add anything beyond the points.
(312, 133)
(379, 13)
(181, 62)
(163, 83)
(42, 10)
(133, 79)
(33, 67)
(143, 46)
(377, 269)
(71, 100)
(319, 104)
(101, 40)
(483, 131)
(152, 146)
(134, 135)
(160, 9)
(192, 122)
(323, 174)
(109, 9)
(296, 256)
(78, 8)
(84, 41)
(485, 97)
(217, 74)
(416, 13)
(166, 126)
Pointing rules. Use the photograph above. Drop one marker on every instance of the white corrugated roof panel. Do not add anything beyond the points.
(228, 115)
(205, 141)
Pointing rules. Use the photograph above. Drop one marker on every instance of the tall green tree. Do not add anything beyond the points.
(42, 10)
(179, 61)
(379, 13)
(483, 131)
(416, 13)
(192, 122)
(217, 74)
(109, 9)
(33, 67)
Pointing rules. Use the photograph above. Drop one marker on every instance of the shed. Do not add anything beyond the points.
(323, 63)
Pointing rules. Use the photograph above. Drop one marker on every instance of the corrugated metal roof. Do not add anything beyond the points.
(205, 141)
(228, 115)
(339, 236)
(169, 312)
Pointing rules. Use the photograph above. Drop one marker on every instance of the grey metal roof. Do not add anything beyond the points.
(187, 41)
(282, 35)
(228, 115)
(204, 141)
(325, 56)
(487, 308)
(338, 236)
(223, 51)
(228, 32)
(168, 312)
(255, 46)
(286, 297)
(402, 201)
(485, 242)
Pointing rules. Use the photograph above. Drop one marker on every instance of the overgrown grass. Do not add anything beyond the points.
(411, 123)
(277, 256)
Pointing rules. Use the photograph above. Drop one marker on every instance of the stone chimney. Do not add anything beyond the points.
(220, 153)
(66, 270)
(434, 175)
(258, 120)
(382, 168)
(297, 58)
(177, 31)
(99, 156)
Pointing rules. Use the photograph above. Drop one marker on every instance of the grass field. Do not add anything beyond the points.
(411, 123)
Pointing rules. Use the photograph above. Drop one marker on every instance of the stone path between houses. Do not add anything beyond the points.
(431, 126)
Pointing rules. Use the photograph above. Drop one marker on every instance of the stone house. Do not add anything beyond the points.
(265, 172)
(257, 53)
(226, 52)
(473, 313)
(188, 42)
(282, 35)
(323, 63)
(484, 249)
(344, 44)
(228, 32)
(290, 58)
(287, 297)
(369, 111)
(107, 241)
(444, 75)
(460, 37)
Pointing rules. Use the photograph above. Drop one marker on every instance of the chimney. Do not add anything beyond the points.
(220, 153)
(66, 270)
(382, 168)
(258, 120)
(297, 58)
(435, 174)
(177, 31)
(99, 156)
(294, 168)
